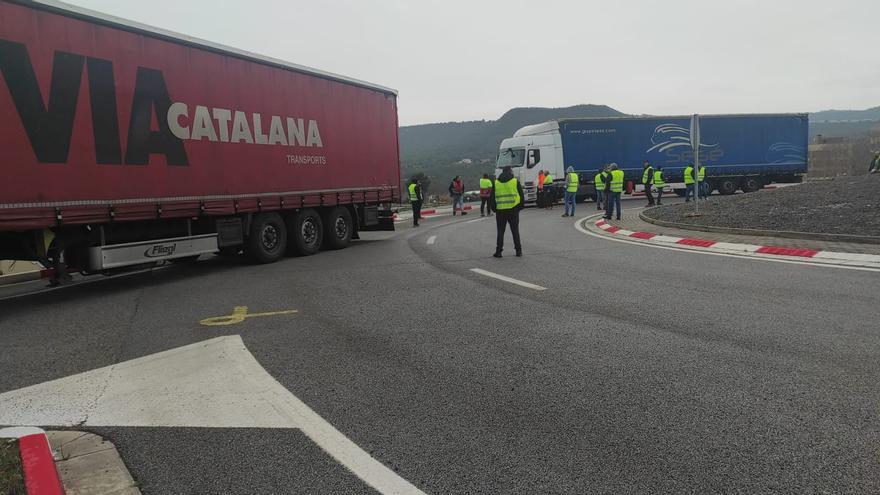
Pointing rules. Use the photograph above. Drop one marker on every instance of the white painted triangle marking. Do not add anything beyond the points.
(216, 383)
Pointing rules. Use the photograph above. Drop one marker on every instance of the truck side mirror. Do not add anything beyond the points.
(534, 158)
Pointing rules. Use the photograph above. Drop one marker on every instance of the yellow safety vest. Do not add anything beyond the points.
(413, 195)
(572, 183)
(600, 181)
(617, 181)
(702, 173)
(548, 179)
(485, 184)
(658, 179)
(647, 174)
(506, 195)
(689, 175)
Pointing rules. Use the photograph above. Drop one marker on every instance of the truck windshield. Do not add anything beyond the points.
(511, 157)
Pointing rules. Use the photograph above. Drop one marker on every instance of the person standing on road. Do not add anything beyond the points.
(689, 183)
(456, 191)
(659, 184)
(703, 193)
(874, 167)
(507, 199)
(647, 180)
(549, 193)
(599, 182)
(540, 195)
(571, 189)
(614, 188)
(485, 195)
(415, 200)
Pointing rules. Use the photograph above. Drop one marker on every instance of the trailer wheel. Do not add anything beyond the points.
(751, 184)
(306, 232)
(337, 228)
(727, 187)
(268, 238)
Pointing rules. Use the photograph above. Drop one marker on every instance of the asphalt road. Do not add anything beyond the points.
(637, 370)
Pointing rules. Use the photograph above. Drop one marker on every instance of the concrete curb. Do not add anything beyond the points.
(825, 257)
(37, 462)
(763, 233)
(90, 465)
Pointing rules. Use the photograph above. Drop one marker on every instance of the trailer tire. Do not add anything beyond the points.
(338, 228)
(727, 186)
(306, 232)
(268, 238)
(751, 184)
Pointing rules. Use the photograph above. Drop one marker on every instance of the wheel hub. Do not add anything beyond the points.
(341, 228)
(309, 232)
(270, 237)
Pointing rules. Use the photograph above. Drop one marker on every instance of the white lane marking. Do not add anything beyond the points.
(580, 228)
(475, 220)
(507, 279)
(216, 383)
(432, 239)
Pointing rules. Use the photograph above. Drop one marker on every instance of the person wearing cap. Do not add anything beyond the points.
(507, 199)
(571, 189)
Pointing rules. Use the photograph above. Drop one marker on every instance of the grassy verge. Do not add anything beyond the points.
(11, 475)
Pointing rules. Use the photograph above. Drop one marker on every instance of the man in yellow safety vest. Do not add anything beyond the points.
(549, 193)
(647, 180)
(571, 189)
(415, 199)
(703, 193)
(614, 186)
(508, 199)
(689, 179)
(485, 195)
(659, 184)
(599, 182)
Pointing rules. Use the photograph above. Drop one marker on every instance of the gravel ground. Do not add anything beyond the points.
(845, 205)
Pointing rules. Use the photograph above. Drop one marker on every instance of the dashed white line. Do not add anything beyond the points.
(507, 279)
(432, 239)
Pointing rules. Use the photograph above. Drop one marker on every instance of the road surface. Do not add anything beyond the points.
(587, 366)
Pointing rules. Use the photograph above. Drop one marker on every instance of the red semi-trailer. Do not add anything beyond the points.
(122, 145)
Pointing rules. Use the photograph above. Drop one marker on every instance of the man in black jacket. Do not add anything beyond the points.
(507, 201)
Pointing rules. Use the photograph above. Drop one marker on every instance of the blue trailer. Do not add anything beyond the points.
(742, 152)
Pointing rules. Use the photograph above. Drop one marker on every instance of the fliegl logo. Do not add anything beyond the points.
(674, 141)
(160, 250)
(48, 121)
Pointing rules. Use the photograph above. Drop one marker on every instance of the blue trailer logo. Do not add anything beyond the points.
(785, 153)
(668, 136)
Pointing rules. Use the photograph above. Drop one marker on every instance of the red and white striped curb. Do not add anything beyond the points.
(862, 259)
(37, 462)
(429, 212)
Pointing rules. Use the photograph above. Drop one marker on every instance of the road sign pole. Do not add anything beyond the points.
(695, 144)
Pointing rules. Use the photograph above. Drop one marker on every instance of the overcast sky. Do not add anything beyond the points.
(471, 60)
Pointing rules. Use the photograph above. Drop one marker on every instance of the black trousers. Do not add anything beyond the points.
(649, 195)
(417, 211)
(484, 203)
(502, 218)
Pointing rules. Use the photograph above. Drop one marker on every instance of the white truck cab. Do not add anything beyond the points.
(532, 149)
